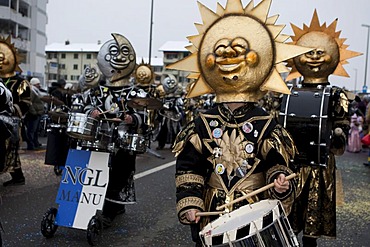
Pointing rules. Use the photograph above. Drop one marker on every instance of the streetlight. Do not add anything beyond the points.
(355, 80)
(150, 34)
(367, 51)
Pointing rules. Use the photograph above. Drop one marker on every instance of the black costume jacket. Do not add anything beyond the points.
(223, 155)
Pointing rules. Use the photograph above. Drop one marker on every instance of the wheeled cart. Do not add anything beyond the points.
(80, 196)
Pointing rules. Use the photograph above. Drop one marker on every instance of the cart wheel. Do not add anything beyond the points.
(48, 227)
(58, 170)
(94, 230)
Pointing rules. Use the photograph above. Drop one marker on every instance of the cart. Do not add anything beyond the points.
(81, 195)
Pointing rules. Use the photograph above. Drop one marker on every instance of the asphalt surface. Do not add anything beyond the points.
(152, 221)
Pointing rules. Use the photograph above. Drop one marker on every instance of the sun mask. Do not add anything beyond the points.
(238, 53)
(328, 56)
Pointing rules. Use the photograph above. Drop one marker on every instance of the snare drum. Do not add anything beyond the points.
(102, 141)
(81, 126)
(259, 224)
(131, 142)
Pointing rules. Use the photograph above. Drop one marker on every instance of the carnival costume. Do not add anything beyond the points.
(21, 93)
(172, 112)
(319, 124)
(226, 153)
(117, 61)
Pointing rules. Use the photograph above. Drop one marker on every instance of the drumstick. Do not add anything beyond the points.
(255, 192)
(209, 213)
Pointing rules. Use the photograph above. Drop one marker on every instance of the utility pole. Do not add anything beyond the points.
(355, 80)
(367, 52)
(151, 32)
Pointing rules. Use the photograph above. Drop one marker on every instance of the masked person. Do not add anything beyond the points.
(172, 112)
(117, 61)
(21, 93)
(235, 147)
(318, 119)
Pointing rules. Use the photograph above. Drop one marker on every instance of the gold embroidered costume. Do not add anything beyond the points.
(314, 209)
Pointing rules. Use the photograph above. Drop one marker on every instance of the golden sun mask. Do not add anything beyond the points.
(238, 53)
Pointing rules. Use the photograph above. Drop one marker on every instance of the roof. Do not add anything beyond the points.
(73, 47)
(89, 47)
(174, 46)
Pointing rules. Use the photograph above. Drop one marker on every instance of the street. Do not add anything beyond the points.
(152, 221)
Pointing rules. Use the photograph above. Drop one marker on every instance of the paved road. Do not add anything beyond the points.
(152, 221)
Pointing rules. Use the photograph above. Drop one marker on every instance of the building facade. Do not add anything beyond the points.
(174, 51)
(68, 61)
(25, 22)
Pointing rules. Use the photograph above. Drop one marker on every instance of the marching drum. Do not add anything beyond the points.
(102, 141)
(131, 142)
(259, 224)
(304, 113)
(81, 126)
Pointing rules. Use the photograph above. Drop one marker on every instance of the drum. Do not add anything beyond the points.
(305, 114)
(81, 126)
(260, 224)
(102, 141)
(57, 145)
(131, 142)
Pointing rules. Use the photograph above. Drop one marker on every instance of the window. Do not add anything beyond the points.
(171, 56)
(74, 77)
(4, 3)
(88, 56)
(75, 66)
(63, 55)
(75, 55)
(62, 66)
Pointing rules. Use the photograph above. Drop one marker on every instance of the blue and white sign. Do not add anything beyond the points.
(82, 188)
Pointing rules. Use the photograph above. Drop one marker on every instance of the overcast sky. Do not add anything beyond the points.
(87, 21)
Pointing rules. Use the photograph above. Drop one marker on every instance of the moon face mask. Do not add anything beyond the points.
(91, 77)
(117, 60)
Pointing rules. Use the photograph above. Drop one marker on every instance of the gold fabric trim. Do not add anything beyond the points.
(190, 202)
(189, 178)
(287, 150)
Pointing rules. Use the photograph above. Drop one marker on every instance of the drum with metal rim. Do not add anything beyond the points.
(304, 113)
(263, 223)
(81, 126)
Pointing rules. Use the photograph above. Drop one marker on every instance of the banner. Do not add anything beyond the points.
(82, 188)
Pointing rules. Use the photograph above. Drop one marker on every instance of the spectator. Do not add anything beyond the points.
(33, 116)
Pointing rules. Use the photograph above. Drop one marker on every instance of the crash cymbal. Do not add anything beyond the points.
(51, 100)
(145, 103)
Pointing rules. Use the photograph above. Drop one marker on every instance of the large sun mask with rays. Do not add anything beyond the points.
(9, 58)
(238, 53)
(327, 58)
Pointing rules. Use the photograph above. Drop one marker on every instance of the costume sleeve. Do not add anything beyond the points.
(279, 151)
(191, 170)
(341, 123)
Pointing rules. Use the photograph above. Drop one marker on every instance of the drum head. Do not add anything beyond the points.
(241, 217)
